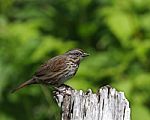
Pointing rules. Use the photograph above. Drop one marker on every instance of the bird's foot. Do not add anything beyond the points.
(63, 89)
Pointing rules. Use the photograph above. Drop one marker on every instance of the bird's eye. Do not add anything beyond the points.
(76, 53)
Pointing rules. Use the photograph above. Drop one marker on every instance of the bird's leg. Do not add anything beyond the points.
(63, 86)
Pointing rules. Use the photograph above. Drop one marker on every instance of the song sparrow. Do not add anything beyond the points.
(57, 69)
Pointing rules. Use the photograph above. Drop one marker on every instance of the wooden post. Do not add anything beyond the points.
(106, 104)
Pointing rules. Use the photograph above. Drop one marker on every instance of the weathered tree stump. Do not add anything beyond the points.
(106, 104)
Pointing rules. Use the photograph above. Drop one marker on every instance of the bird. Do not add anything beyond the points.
(56, 70)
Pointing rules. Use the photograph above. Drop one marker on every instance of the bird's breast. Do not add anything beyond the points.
(69, 72)
(72, 68)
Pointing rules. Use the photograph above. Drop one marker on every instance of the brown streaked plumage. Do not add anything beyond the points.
(57, 70)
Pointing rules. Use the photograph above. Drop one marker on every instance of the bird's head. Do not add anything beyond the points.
(77, 54)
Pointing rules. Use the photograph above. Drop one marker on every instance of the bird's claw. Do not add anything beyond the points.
(63, 90)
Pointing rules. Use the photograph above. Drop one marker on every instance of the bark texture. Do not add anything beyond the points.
(106, 104)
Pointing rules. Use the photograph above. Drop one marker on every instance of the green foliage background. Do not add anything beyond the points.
(115, 32)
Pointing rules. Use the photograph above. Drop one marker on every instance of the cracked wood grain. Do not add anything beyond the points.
(106, 104)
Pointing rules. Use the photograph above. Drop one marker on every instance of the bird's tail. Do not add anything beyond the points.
(29, 82)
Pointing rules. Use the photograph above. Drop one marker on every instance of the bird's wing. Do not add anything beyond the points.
(55, 64)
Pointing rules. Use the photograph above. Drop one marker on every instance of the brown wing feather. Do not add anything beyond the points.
(53, 65)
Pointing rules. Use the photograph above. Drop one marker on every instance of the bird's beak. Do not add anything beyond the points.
(85, 54)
